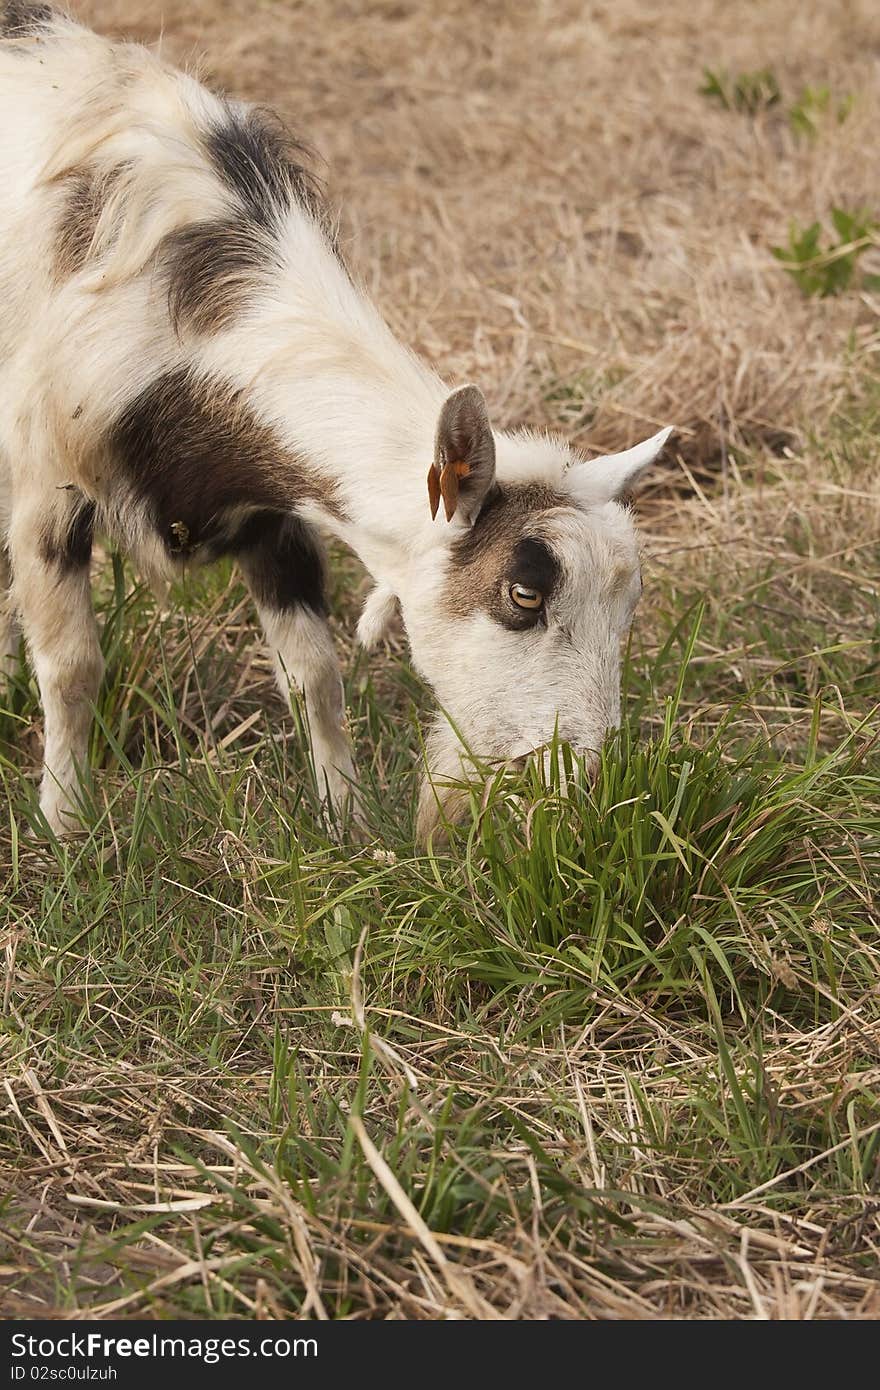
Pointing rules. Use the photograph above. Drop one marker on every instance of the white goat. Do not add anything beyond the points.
(186, 364)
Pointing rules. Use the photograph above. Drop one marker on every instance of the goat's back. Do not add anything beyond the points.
(140, 214)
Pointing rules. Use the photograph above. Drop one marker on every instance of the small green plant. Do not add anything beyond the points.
(814, 106)
(829, 269)
(749, 92)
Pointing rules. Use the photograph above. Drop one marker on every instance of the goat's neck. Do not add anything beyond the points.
(378, 442)
(362, 410)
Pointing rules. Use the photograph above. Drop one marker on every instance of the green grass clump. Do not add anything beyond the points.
(830, 269)
(753, 92)
(747, 91)
(814, 107)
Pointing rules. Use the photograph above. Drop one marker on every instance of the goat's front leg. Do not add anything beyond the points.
(50, 546)
(282, 560)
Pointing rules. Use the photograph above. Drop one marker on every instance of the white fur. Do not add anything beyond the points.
(377, 616)
(602, 479)
(320, 366)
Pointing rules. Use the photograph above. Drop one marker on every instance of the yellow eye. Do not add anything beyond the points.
(526, 598)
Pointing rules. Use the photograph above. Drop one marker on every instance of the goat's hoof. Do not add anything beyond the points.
(62, 817)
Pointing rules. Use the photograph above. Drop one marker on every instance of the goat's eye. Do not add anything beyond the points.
(524, 597)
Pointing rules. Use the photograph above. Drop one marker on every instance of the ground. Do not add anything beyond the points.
(599, 1058)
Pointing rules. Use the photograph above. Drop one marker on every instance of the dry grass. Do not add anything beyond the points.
(107, 1139)
(542, 201)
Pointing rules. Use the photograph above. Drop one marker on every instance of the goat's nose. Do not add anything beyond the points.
(588, 757)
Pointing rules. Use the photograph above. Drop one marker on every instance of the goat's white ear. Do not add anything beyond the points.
(463, 469)
(377, 615)
(604, 479)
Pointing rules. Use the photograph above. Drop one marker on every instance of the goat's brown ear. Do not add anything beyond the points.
(463, 469)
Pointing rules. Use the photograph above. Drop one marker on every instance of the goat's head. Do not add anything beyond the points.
(517, 615)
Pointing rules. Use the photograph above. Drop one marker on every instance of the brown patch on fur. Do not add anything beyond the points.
(76, 227)
(212, 267)
(282, 560)
(86, 192)
(489, 555)
(198, 457)
(264, 165)
(66, 538)
(19, 20)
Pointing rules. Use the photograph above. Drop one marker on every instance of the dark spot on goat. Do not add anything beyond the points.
(493, 553)
(76, 227)
(195, 454)
(66, 541)
(262, 164)
(19, 20)
(283, 562)
(86, 192)
(80, 536)
(534, 566)
(211, 268)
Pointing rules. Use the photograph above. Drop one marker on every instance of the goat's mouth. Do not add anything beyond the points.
(445, 795)
(560, 763)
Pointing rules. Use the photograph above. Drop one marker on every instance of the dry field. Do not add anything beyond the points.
(623, 1061)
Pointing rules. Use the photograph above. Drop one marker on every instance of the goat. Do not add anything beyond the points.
(187, 365)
